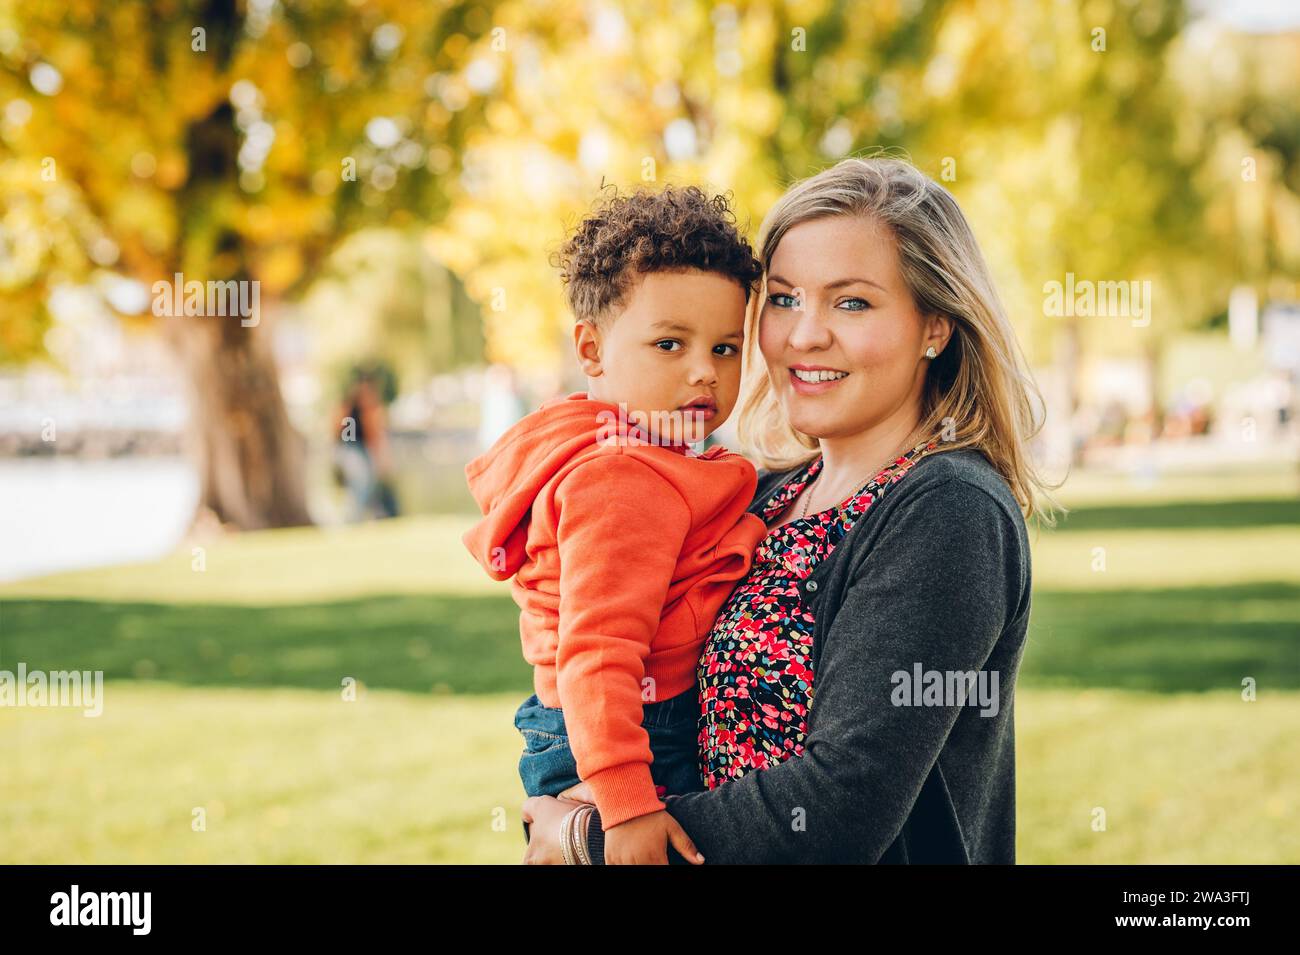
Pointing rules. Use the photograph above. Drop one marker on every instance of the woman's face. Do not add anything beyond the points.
(842, 338)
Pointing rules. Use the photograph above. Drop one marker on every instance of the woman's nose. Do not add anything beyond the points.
(809, 332)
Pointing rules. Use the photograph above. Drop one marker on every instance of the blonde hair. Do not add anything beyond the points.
(979, 391)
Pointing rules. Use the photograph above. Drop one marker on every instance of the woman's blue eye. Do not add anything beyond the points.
(667, 341)
(782, 300)
(861, 304)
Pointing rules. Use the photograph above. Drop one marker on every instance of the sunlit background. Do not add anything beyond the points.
(177, 510)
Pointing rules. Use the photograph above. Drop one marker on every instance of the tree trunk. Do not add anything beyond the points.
(1153, 358)
(1068, 362)
(249, 457)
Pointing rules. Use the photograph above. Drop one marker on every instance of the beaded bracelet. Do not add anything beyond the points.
(566, 837)
(579, 836)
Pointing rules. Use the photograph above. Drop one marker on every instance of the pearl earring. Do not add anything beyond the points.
(931, 353)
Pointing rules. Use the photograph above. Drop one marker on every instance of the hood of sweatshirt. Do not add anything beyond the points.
(506, 479)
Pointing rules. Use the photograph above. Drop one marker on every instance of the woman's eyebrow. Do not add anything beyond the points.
(838, 283)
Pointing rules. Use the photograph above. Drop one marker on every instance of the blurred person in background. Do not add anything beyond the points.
(362, 454)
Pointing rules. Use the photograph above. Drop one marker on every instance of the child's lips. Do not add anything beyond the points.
(702, 398)
(706, 409)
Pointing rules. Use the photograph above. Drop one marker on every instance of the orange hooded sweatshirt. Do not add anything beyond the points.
(621, 554)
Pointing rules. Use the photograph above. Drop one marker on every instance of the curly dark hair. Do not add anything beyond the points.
(645, 231)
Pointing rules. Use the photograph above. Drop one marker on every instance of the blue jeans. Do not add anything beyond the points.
(547, 766)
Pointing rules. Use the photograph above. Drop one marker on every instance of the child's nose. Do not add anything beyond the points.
(704, 373)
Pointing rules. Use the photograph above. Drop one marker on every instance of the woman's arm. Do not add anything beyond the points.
(937, 590)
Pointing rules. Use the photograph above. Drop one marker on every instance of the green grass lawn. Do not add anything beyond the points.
(298, 776)
(224, 695)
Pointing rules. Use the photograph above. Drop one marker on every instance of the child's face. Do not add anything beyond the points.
(672, 354)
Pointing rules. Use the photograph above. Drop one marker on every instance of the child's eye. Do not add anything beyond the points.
(858, 304)
(782, 300)
(668, 341)
(733, 350)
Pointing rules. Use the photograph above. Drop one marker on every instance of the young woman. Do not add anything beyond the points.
(857, 688)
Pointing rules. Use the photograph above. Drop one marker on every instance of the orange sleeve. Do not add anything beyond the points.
(621, 528)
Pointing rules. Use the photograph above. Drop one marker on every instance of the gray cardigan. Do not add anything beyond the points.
(935, 577)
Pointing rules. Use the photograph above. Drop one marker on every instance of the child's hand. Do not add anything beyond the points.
(644, 841)
(580, 792)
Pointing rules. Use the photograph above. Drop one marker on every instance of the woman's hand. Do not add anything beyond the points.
(544, 815)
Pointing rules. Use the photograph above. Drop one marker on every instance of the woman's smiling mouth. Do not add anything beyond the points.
(814, 380)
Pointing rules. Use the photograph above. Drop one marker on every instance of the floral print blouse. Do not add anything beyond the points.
(754, 679)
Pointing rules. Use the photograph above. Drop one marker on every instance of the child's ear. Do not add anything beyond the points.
(586, 343)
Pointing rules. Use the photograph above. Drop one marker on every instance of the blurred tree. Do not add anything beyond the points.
(1242, 92)
(1080, 139)
(1067, 124)
(383, 295)
(44, 230)
(225, 140)
(1064, 130)
(738, 97)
